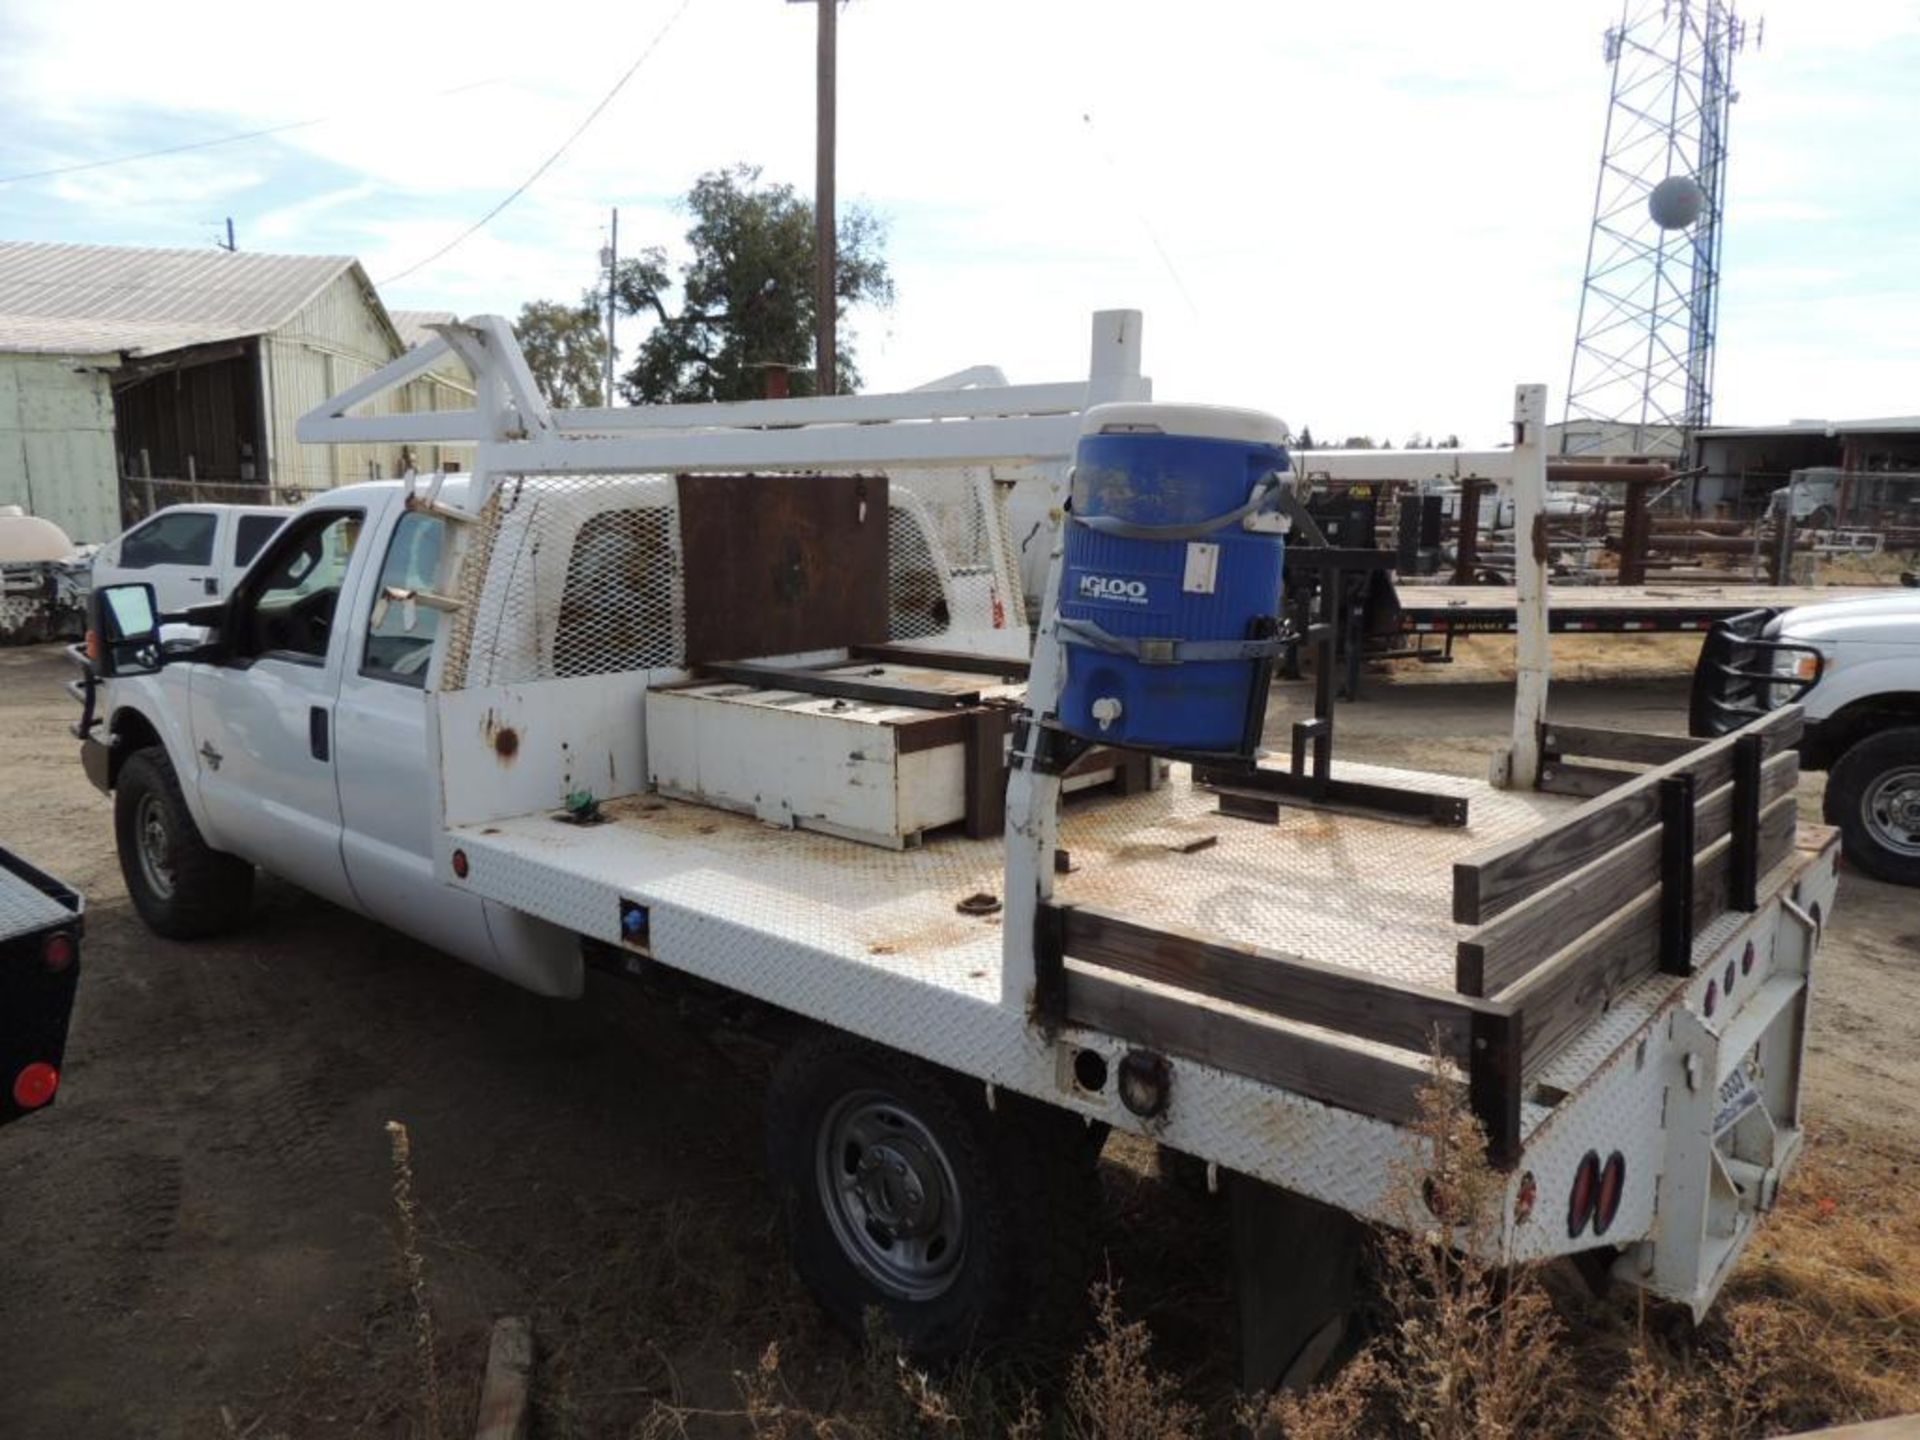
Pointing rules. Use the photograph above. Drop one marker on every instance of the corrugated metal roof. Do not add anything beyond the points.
(412, 324)
(1884, 425)
(96, 299)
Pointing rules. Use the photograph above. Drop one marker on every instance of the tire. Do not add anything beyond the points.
(900, 1191)
(183, 888)
(1873, 795)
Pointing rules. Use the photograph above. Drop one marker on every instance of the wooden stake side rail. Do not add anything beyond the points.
(1500, 952)
(1082, 953)
(1562, 995)
(1495, 880)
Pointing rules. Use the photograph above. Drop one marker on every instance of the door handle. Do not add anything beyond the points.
(213, 584)
(317, 732)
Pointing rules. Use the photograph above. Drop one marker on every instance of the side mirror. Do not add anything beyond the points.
(126, 630)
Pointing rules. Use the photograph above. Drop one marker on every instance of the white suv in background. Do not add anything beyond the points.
(190, 554)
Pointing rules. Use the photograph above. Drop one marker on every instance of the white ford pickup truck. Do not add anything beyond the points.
(1853, 666)
(692, 692)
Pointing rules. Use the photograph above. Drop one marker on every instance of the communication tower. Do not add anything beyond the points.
(1642, 375)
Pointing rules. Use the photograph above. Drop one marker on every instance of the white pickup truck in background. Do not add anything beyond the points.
(1853, 666)
(190, 554)
(739, 696)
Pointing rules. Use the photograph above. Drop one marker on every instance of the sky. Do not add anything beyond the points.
(1366, 218)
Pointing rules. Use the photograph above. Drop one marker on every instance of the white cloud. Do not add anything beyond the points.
(1365, 218)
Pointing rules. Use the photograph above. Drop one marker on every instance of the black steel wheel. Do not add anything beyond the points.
(1873, 795)
(901, 1191)
(182, 887)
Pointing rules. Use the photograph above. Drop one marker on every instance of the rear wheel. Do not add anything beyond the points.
(1873, 795)
(182, 887)
(902, 1192)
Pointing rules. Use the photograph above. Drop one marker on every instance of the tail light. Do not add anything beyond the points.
(93, 646)
(1711, 1002)
(57, 951)
(1606, 1204)
(1586, 1189)
(35, 1085)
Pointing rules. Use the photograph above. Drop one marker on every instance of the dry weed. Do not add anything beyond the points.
(1113, 1391)
(413, 1270)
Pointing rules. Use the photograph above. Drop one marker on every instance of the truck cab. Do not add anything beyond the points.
(188, 553)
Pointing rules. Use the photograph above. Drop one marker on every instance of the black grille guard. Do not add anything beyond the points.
(1735, 681)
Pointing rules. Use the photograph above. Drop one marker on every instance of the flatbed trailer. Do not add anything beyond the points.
(1449, 610)
(1227, 961)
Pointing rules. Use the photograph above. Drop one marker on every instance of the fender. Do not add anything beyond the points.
(1889, 674)
(146, 708)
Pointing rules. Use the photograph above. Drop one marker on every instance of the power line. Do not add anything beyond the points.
(181, 149)
(548, 163)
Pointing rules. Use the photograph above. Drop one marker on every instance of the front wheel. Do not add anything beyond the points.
(1873, 795)
(182, 887)
(902, 1192)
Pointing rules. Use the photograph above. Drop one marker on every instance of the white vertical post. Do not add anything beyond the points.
(1033, 799)
(1519, 767)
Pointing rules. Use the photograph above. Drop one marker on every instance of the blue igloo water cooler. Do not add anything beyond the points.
(1171, 580)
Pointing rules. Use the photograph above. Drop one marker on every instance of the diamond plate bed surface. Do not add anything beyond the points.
(24, 908)
(1374, 895)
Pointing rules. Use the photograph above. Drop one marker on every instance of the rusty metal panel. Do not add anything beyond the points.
(779, 564)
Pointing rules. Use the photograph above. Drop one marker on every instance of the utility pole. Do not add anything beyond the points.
(229, 246)
(613, 269)
(825, 243)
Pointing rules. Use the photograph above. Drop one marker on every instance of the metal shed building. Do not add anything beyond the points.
(184, 372)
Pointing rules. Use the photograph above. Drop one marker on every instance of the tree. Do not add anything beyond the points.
(1357, 442)
(1304, 441)
(746, 296)
(566, 348)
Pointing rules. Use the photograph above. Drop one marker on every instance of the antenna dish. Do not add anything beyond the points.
(1676, 202)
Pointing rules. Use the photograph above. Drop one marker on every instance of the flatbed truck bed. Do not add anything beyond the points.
(1597, 609)
(692, 690)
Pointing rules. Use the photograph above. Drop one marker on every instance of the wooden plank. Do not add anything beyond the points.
(1195, 1029)
(1310, 991)
(1500, 952)
(1569, 777)
(781, 564)
(503, 1393)
(986, 771)
(1496, 879)
(1635, 746)
(1560, 998)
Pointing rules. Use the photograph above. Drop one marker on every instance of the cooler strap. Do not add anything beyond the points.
(1265, 496)
(1149, 651)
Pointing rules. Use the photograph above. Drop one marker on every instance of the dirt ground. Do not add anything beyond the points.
(201, 1239)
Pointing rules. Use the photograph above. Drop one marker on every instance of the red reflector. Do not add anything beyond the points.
(1586, 1181)
(1613, 1180)
(1746, 959)
(58, 950)
(1712, 1001)
(1523, 1200)
(34, 1086)
(460, 864)
(1726, 978)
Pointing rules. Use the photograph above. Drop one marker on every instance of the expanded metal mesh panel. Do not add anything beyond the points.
(570, 575)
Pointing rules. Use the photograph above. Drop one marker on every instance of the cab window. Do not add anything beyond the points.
(288, 609)
(399, 635)
(176, 537)
(251, 533)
